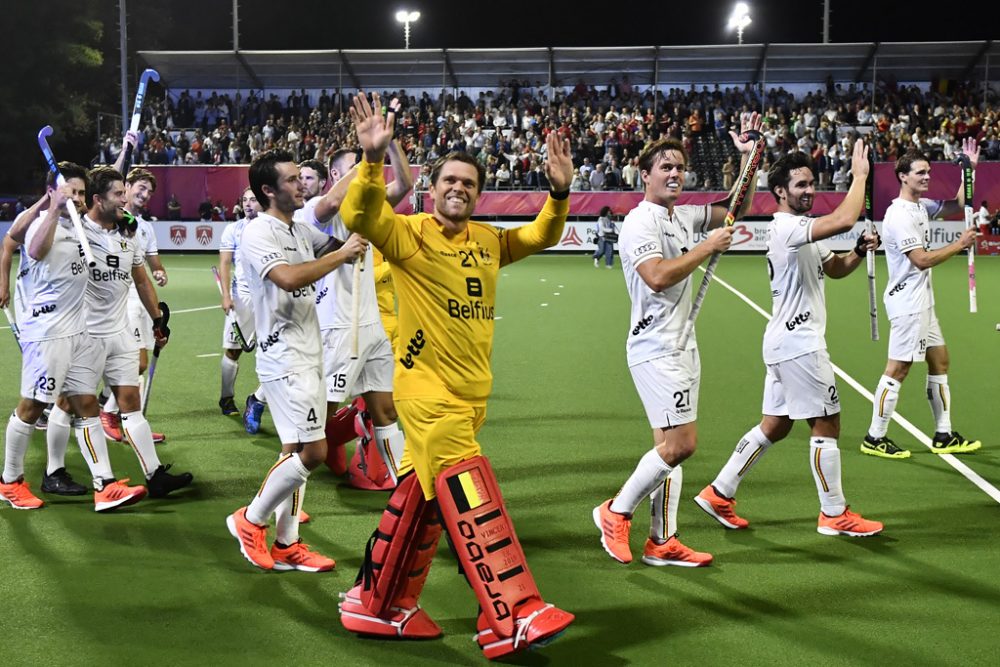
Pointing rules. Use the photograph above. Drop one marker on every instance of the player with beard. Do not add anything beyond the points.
(799, 383)
(659, 254)
(282, 260)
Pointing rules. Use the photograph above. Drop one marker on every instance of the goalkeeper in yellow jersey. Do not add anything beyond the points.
(445, 270)
(385, 294)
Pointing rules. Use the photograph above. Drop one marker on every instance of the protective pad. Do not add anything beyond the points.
(341, 428)
(392, 548)
(368, 471)
(491, 556)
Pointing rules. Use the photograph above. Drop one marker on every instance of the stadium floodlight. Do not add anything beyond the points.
(740, 19)
(406, 18)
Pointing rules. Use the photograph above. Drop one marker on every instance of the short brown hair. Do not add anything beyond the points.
(68, 170)
(905, 161)
(140, 174)
(100, 182)
(780, 172)
(656, 149)
(459, 156)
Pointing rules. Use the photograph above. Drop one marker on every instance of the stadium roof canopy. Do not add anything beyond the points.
(665, 66)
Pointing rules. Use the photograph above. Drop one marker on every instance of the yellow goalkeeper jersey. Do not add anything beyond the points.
(446, 287)
(384, 292)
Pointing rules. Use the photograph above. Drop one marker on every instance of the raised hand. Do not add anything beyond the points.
(859, 161)
(743, 143)
(970, 148)
(558, 162)
(374, 131)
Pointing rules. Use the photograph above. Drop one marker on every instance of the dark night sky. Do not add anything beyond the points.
(369, 24)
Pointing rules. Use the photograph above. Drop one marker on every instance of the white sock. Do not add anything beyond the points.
(136, 431)
(259, 393)
(393, 441)
(142, 390)
(824, 458)
(17, 442)
(750, 449)
(286, 517)
(57, 438)
(94, 446)
(229, 370)
(284, 477)
(939, 396)
(648, 474)
(663, 503)
(112, 404)
(886, 395)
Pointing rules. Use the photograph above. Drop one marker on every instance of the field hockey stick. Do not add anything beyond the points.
(140, 96)
(43, 143)
(967, 184)
(356, 304)
(244, 345)
(870, 255)
(746, 178)
(161, 324)
(13, 327)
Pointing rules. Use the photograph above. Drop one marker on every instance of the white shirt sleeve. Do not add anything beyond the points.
(824, 252)
(640, 241)
(316, 238)
(261, 249)
(909, 233)
(796, 232)
(150, 239)
(228, 240)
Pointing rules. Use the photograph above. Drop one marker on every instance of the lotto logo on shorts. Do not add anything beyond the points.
(468, 490)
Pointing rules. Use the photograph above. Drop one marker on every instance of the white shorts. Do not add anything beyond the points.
(801, 388)
(117, 360)
(668, 387)
(911, 335)
(241, 315)
(371, 371)
(58, 366)
(298, 406)
(140, 324)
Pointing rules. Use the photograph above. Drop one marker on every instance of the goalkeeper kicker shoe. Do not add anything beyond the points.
(883, 447)
(953, 443)
(720, 508)
(162, 482)
(672, 552)
(252, 539)
(399, 622)
(61, 484)
(849, 523)
(300, 557)
(615, 529)
(252, 414)
(536, 624)
(117, 493)
(19, 495)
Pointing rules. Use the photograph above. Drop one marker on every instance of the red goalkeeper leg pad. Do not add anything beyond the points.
(368, 470)
(384, 600)
(340, 430)
(513, 616)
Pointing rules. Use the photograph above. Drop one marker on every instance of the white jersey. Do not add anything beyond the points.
(52, 289)
(649, 231)
(145, 237)
(334, 296)
(232, 237)
(906, 227)
(110, 279)
(798, 312)
(288, 338)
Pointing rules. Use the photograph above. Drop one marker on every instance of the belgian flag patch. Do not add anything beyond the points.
(468, 490)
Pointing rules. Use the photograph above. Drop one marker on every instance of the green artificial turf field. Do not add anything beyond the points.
(163, 581)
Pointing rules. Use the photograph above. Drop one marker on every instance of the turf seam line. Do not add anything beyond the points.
(908, 426)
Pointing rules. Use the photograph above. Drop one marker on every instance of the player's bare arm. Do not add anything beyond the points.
(225, 269)
(953, 207)
(744, 145)
(130, 139)
(19, 229)
(329, 204)
(842, 264)
(925, 259)
(402, 181)
(156, 266)
(846, 214)
(7, 251)
(147, 293)
(290, 277)
(41, 243)
(662, 273)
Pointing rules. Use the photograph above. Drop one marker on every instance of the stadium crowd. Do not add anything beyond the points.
(506, 128)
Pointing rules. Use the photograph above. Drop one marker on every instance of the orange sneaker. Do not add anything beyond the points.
(848, 523)
(117, 494)
(615, 530)
(158, 438)
(19, 495)
(303, 517)
(252, 539)
(672, 552)
(299, 557)
(720, 508)
(112, 424)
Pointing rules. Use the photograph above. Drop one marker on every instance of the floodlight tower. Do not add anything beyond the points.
(406, 18)
(740, 19)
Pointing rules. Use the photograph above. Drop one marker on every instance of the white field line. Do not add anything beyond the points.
(211, 354)
(921, 437)
(196, 310)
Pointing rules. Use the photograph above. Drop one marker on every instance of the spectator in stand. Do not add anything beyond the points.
(690, 178)
(205, 211)
(728, 173)
(607, 236)
(597, 177)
